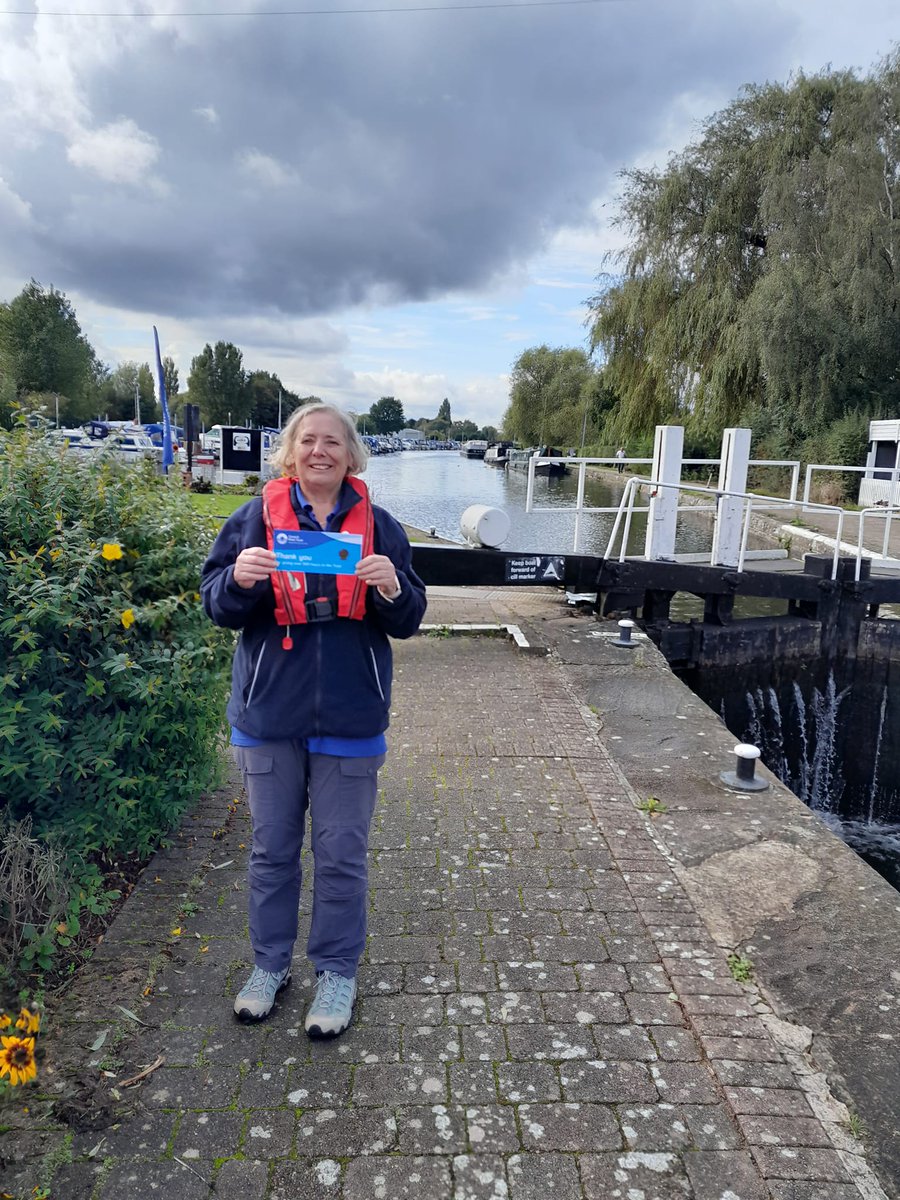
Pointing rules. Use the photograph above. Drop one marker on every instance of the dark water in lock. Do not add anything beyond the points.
(432, 489)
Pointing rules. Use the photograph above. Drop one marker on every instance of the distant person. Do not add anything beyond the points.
(620, 455)
(310, 702)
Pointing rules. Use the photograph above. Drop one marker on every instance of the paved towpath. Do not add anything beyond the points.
(542, 1010)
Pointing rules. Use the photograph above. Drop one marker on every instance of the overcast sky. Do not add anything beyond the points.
(366, 203)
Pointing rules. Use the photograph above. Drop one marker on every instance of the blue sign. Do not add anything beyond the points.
(315, 552)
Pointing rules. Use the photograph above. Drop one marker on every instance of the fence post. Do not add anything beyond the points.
(662, 517)
(726, 543)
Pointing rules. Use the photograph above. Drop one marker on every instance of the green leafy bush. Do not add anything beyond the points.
(113, 681)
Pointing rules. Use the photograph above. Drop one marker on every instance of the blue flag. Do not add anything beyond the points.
(168, 455)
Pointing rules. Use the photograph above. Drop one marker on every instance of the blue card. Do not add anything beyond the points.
(316, 552)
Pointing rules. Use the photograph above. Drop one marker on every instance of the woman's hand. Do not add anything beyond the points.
(378, 571)
(254, 564)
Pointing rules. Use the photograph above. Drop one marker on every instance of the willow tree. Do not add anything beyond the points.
(759, 282)
(549, 389)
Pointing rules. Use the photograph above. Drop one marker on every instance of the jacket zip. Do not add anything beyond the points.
(262, 651)
(375, 669)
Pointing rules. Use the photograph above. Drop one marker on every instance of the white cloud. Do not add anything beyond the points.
(116, 153)
(265, 169)
(208, 113)
(13, 206)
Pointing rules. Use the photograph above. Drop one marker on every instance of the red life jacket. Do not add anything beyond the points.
(290, 586)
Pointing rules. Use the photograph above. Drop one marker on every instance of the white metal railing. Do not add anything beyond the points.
(887, 515)
(627, 508)
(580, 508)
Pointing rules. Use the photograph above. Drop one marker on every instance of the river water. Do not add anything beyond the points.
(432, 489)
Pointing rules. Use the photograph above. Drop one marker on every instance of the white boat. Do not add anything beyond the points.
(497, 454)
(474, 448)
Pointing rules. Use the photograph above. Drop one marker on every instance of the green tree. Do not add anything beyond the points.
(42, 348)
(385, 416)
(549, 392)
(116, 393)
(463, 431)
(170, 378)
(217, 383)
(444, 412)
(760, 280)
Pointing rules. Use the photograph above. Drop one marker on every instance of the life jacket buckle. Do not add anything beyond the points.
(320, 608)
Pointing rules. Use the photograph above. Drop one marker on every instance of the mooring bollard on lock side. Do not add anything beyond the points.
(624, 638)
(743, 777)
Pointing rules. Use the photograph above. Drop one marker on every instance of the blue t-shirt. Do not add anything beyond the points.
(337, 747)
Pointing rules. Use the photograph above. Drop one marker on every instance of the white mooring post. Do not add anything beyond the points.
(726, 544)
(662, 518)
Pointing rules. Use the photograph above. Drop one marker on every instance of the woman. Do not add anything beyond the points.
(310, 701)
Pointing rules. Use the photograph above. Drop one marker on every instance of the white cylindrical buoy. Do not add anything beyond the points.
(624, 638)
(482, 525)
(743, 777)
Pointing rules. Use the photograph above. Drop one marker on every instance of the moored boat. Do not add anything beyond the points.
(474, 448)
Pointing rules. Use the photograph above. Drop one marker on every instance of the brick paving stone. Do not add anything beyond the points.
(536, 976)
(264, 1087)
(240, 1180)
(632, 949)
(479, 1177)
(425, 1044)
(429, 978)
(710, 984)
(783, 1131)
(677, 1045)
(740, 1073)
(584, 1008)
(712, 1127)
(802, 1190)
(515, 1008)
(201, 1088)
(477, 977)
(624, 1042)
(570, 948)
(760, 1050)
(684, 1083)
(305, 1179)
(360, 1044)
(231, 1043)
(269, 1134)
(74, 1181)
(467, 1008)
(399, 1178)
(492, 1127)
(648, 1175)
(528, 1081)
(569, 1126)
(654, 1127)
(483, 1043)
(717, 1173)
(534, 1176)
(472, 1083)
(648, 977)
(405, 1083)
(400, 1010)
(402, 949)
(315, 1085)
(609, 1082)
(718, 1006)
(347, 1131)
(211, 1135)
(127, 1181)
(768, 1102)
(554, 1042)
(653, 1009)
(147, 1136)
(434, 1129)
(788, 1162)
(602, 977)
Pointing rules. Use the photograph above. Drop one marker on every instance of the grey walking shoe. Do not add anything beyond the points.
(332, 1008)
(255, 999)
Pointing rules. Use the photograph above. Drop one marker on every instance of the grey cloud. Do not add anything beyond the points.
(422, 153)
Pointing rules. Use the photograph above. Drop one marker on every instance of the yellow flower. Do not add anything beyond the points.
(55, 553)
(29, 1022)
(111, 551)
(176, 932)
(128, 618)
(17, 1059)
(5, 1020)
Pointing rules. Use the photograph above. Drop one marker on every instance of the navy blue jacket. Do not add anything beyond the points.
(336, 679)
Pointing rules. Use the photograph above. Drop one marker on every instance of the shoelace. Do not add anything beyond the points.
(330, 986)
(261, 982)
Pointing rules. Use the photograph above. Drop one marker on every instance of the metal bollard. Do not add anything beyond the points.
(743, 778)
(624, 638)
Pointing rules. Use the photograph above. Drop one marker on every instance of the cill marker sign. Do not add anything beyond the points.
(535, 568)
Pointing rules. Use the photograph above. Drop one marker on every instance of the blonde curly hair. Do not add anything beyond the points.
(283, 457)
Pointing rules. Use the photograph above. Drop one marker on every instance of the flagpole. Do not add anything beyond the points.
(168, 455)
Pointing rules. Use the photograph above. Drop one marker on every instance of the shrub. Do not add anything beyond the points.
(113, 681)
